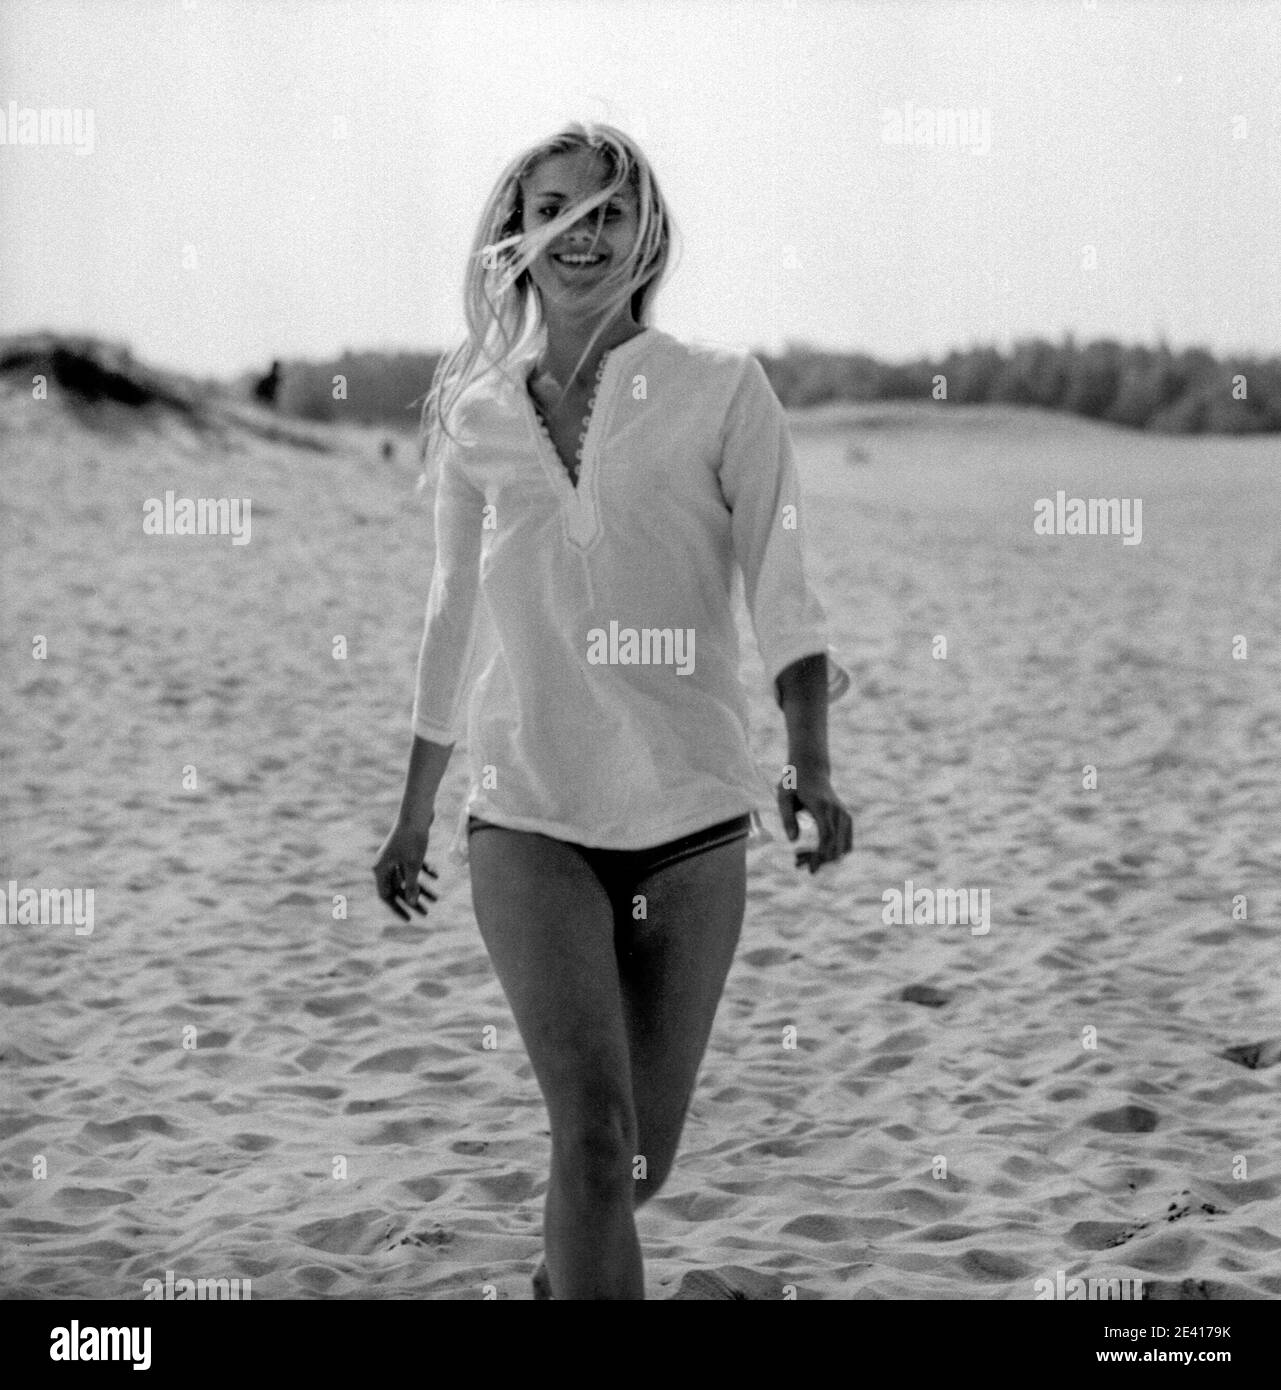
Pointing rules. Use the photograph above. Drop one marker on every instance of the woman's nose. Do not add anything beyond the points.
(590, 223)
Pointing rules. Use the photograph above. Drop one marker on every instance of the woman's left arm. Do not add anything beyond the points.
(759, 483)
(801, 690)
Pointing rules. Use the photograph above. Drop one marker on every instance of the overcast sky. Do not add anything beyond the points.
(289, 179)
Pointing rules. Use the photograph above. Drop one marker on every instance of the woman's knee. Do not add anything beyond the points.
(594, 1144)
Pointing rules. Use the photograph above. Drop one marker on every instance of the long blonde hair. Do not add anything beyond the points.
(501, 303)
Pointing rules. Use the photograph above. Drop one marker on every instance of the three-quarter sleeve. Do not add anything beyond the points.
(449, 631)
(760, 485)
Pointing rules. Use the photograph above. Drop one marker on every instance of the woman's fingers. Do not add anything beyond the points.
(835, 828)
(391, 881)
(389, 892)
(422, 890)
(836, 835)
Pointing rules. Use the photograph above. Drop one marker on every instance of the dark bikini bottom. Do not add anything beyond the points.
(620, 869)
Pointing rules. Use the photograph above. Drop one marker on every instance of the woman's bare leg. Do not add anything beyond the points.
(672, 969)
(548, 926)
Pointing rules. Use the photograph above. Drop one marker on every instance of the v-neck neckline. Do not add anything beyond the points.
(542, 434)
(582, 427)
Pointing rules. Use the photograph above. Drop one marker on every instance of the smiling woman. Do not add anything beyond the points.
(574, 240)
(610, 905)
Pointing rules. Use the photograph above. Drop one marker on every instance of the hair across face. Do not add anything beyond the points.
(502, 301)
(560, 190)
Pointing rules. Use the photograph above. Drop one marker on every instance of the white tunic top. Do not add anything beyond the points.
(593, 626)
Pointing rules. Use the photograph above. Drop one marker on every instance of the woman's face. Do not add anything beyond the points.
(606, 235)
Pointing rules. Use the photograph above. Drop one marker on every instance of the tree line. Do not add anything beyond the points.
(1189, 391)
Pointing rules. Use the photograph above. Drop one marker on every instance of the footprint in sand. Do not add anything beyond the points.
(435, 1238)
(1256, 1056)
(398, 1060)
(425, 1189)
(86, 1198)
(357, 1233)
(1184, 1204)
(1127, 1119)
(925, 994)
(1188, 1291)
(730, 1282)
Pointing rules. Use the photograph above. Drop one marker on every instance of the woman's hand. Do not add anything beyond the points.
(814, 793)
(802, 690)
(401, 861)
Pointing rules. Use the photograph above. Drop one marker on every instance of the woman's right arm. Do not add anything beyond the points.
(444, 662)
(427, 764)
(401, 861)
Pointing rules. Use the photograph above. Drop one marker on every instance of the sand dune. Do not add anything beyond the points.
(1145, 1148)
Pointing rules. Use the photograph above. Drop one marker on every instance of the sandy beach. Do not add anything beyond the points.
(232, 1077)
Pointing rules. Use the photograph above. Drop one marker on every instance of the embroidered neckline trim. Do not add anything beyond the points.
(586, 420)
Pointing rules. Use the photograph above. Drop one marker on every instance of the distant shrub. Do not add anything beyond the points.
(1094, 380)
(972, 375)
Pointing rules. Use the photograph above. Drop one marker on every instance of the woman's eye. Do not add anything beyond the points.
(553, 211)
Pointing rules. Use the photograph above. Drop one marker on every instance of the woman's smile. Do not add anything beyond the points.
(577, 264)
